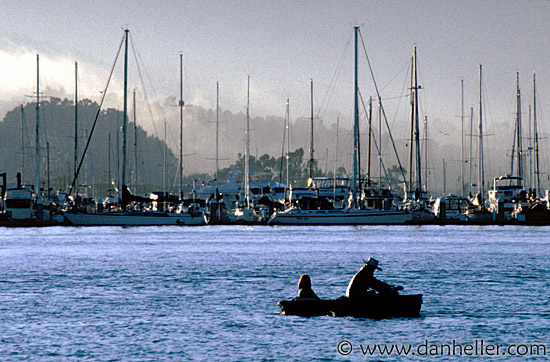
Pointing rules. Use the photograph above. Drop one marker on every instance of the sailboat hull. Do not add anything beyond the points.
(135, 219)
(340, 217)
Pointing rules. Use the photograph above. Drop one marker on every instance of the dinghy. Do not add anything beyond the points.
(373, 306)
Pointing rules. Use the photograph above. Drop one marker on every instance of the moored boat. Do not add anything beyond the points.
(451, 208)
(535, 213)
(344, 216)
(138, 218)
(21, 206)
(506, 195)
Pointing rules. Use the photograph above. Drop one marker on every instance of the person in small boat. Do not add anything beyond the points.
(304, 288)
(364, 283)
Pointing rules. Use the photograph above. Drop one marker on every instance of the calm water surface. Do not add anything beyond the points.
(210, 293)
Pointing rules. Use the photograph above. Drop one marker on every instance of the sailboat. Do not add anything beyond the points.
(415, 160)
(460, 209)
(477, 211)
(531, 209)
(364, 206)
(125, 216)
(508, 191)
(23, 205)
(416, 198)
(245, 211)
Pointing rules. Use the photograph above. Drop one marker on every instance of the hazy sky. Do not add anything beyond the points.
(281, 45)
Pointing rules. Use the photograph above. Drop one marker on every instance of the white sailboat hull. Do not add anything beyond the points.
(339, 217)
(135, 219)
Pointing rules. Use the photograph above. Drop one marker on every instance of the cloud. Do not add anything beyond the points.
(18, 67)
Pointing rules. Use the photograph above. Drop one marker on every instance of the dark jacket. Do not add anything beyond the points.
(307, 293)
(365, 280)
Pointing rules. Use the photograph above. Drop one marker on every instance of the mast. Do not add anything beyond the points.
(481, 166)
(118, 174)
(530, 150)
(48, 168)
(412, 130)
(217, 133)
(537, 174)
(517, 133)
(283, 155)
(370, 135)
(355, 121)
(181, 104)
(380, 141)
(164, 161)
(359, 177)
(247, 148)
(417, 130)
(426, 151)
(311, 159)
(216, 194)
(336, 157)
(287, 141)
(125, 115)
(462, 183)
(75, 121)
(283, 146)
(22, 143)
(471, 147)
(135, 144)
(109, 162)
(37, 141)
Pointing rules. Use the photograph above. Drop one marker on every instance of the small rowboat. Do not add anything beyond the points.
(373, 306)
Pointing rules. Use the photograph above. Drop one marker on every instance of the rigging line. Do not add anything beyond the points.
(383, 110)
(26, 132)
(406, 66)
(146, 96)
(512, 154)
(345, 143)
(346, 158)
(96, 117)
(401, 96)
(537, 133)
(487, 121)
(402, 91)
(138, 59)
(44, 123)
(335, 76)
(424, 104)
(378, 149)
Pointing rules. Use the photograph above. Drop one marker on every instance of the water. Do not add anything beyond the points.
(210, 293)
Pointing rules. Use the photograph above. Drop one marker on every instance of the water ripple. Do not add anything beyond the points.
(172, 293)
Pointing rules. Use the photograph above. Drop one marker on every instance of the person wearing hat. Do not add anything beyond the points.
(304, 288)
(364, 283)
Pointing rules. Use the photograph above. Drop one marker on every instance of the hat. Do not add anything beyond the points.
(372, 262)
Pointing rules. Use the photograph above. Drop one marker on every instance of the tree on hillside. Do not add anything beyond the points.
(265, 167)
(17, 132)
